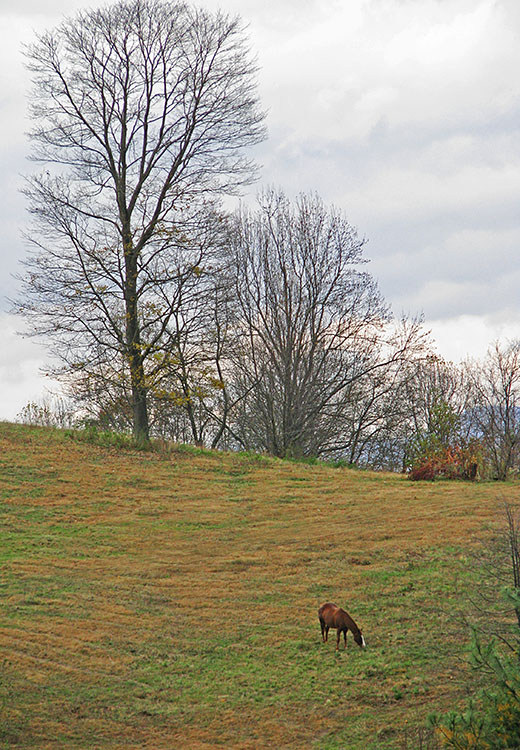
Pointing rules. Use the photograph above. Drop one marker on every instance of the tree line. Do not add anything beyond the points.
(255, 328)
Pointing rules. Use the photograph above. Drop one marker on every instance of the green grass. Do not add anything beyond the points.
(161, 599)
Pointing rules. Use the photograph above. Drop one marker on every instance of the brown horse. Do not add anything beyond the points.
(332, 616)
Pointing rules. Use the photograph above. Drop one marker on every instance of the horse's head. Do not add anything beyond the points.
(358, 637)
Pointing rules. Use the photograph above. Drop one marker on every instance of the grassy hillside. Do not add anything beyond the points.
(150, 600)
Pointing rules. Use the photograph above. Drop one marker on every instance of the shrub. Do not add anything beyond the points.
(450, 462)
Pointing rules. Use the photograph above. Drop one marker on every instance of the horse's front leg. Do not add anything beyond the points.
(345, 638)
(338, 636)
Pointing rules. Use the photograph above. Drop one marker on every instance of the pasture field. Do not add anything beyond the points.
(170, 600)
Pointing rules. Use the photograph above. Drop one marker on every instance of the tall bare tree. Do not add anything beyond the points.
(496, 407)
(143, 110)
(376, 419)
(313, 322)
(437, 381)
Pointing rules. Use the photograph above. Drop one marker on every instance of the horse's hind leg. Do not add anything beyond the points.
(338, 636)
(324, 631)
(345, 638)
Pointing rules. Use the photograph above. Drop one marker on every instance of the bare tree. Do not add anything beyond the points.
(195, 377)
(496, 405)
(376, 427)
(313, 324)
(143, 109)
(436, 381)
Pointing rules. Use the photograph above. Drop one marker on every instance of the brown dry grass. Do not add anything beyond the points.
(151, 601)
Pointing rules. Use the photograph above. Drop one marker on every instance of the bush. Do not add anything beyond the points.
(451, 462)
(50, 411)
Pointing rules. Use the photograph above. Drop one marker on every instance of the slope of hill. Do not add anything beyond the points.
(150, 600)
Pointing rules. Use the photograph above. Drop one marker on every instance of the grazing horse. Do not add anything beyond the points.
(332, 616)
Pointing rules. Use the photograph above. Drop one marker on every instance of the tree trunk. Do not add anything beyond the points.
(140, 408)
(141, 427)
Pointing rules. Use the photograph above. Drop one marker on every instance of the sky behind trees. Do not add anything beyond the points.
(404, 114)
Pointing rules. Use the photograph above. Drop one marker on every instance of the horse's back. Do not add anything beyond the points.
(335, 617)
(327, 610)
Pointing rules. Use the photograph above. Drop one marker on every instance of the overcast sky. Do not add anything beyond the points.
(405, 113)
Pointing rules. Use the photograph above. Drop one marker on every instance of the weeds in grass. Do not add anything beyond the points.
(337, 463)
(106, 438)
(419, 739)
(191, 450)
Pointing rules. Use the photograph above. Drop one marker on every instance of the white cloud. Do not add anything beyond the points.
(21, 378)
(471, 335)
